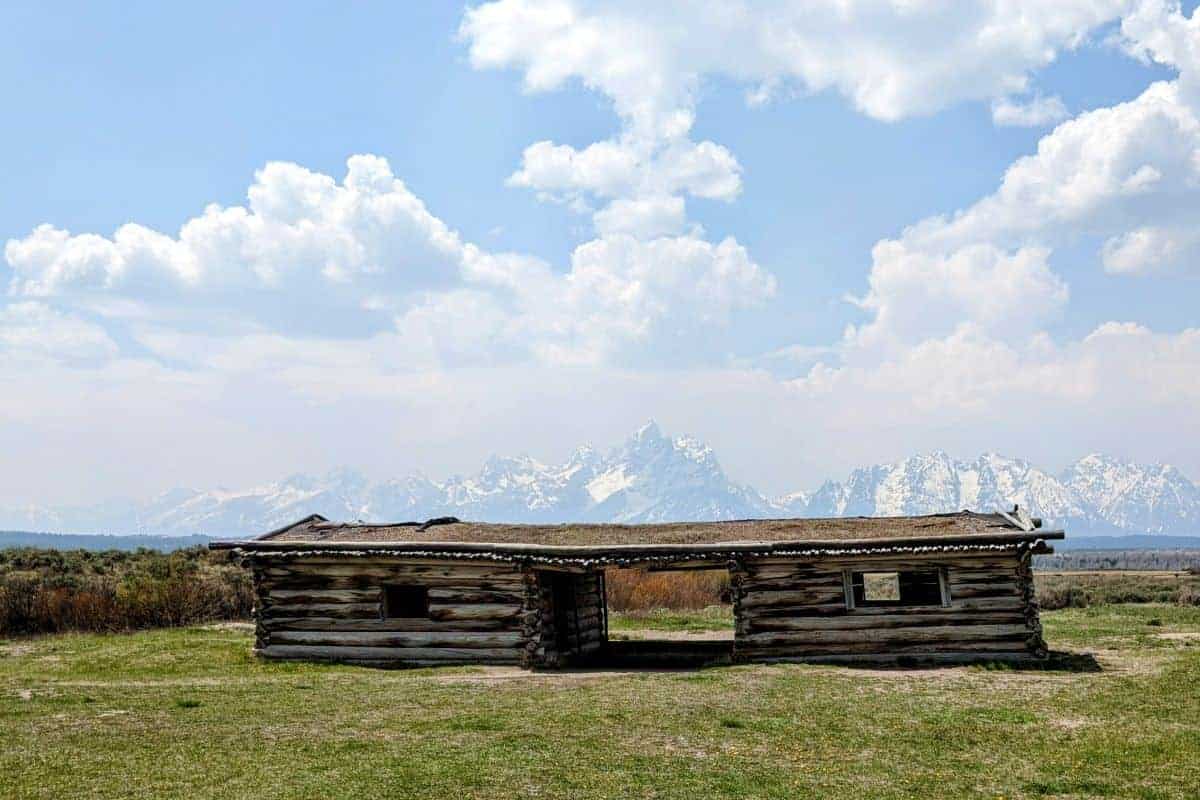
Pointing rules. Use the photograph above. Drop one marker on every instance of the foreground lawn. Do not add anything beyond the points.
(189, 713)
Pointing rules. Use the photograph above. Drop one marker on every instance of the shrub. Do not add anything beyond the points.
(48, 591)
(643, 590)
(1083, 590)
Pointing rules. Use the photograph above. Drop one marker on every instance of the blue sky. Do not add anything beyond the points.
(148, 113)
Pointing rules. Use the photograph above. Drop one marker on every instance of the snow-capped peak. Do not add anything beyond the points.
(647, 432)
(651, 477)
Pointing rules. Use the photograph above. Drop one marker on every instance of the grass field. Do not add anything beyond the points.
(190, 713)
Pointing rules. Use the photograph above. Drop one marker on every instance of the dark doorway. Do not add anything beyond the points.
(566, 613)
(574, 619)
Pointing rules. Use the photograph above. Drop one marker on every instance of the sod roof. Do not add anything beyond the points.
(963, 525)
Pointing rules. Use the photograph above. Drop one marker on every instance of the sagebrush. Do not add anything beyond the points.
(50, 591)
(1081, 590)
(645, 590)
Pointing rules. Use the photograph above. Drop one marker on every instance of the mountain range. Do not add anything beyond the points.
(652, 477)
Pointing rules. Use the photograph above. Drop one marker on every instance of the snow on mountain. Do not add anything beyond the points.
(935, 483)
(1154, 498)
(651, 477)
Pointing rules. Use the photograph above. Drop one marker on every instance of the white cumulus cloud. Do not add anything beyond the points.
(1034, 113)
(890, 59)
(311, 257)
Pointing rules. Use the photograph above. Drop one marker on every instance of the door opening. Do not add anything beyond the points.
(669, 617)
(566, 613)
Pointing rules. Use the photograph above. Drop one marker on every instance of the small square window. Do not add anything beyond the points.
(405, 602)
(900, 588)
(881, 587)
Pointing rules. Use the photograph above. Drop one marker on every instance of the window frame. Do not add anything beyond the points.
(849, 585)
(419, 599)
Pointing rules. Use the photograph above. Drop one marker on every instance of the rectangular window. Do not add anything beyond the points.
(896, 588)
(405, 602)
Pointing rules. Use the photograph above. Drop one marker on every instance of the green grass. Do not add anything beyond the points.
(713, 618)
(190, 713)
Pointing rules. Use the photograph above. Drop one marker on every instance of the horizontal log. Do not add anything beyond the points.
(815, 610)
(690, 564)
(396, 562)
(932, 633)
(299, 581)
(793, 609)
(476, 611)
(305, 581)
(792, 597)
(464, 639)
(965, 590)
(467, 572)
(784, 573)
(838, 609)
(1014, 656)
(390, 655)
(829, 583)
(890, 648)
(884, 562)
(281, 597)
(345, 610)
(982, 576)
(855, 622)
(778, 571)
(398, 624)
(462, 596)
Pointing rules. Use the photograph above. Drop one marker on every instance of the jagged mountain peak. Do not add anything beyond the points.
(648, 432)
(653, 477)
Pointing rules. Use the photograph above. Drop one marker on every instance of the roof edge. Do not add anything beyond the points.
(258, 545)
(229, 544)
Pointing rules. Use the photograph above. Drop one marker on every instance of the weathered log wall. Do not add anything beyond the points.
(582, 619)
(799, 610)
(331, 608)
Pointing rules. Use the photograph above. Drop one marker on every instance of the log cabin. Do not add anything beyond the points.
(938, 588)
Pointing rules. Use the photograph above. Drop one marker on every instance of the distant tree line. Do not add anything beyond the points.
(1166, 560)
(99, 541)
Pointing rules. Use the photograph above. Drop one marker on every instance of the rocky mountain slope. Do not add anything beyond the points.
(652, 477)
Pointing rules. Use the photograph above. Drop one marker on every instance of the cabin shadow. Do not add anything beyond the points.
(660, 654)
(649, 655)
(1055, 662)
